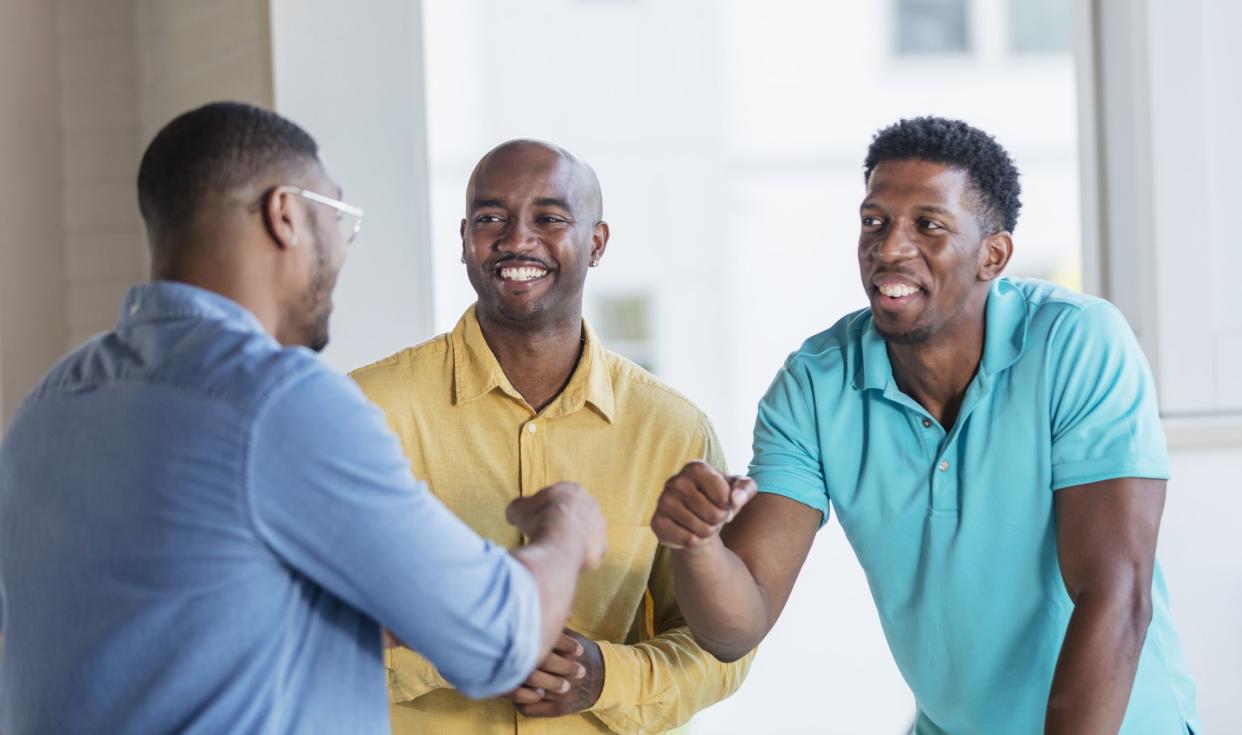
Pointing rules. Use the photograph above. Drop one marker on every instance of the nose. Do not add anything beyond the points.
(517, 237)
(893, 246)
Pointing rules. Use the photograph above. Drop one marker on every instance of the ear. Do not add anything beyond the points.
(994, 255)
(599, 240)
(279, 216)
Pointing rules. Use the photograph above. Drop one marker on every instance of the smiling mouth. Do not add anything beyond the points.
(894, 294)
(521, 274)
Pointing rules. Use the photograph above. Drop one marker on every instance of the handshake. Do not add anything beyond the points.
(695, 504)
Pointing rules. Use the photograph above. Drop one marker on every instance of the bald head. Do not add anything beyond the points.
(535, 161)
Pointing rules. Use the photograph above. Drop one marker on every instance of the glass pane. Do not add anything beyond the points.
(1040, 26)
(931, 26)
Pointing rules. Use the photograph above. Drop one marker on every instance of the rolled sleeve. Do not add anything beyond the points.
(1105, 420)
(331, 494)
(786, 458)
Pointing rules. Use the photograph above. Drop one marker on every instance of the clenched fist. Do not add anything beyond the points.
(696, 503)
(563, 511)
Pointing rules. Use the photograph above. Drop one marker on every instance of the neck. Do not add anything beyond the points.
(539, 359)
(936, 373)
(218, 278)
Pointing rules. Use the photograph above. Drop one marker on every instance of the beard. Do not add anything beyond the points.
(917, 334)
(315, 308)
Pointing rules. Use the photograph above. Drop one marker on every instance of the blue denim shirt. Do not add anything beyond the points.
(202, 531)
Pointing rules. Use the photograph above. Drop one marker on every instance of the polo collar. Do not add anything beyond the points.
(477, 372)
(1005, 320)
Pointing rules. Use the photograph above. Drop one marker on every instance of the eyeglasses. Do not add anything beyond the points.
(348, 217)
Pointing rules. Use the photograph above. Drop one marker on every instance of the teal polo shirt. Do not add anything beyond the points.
(955, 526)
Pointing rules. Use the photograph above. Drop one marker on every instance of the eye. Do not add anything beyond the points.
(487, 219)
(928, 224)
(868, 221)
(550, 219)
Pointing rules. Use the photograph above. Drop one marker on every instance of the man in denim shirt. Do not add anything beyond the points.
(203, 529)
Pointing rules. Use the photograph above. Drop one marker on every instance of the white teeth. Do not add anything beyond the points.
(897, 290)
(525, 273)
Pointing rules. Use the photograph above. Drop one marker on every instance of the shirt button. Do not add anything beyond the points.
(943, 465)
(530, 428)
(133, 308)
(926, 423)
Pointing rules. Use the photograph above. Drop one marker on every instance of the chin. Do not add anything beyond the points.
(916, 334)
(522, 313)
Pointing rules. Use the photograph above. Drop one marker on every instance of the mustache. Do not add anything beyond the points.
(515, 258)
(904, 273)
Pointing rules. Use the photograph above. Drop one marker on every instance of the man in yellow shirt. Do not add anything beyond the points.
(521, 394)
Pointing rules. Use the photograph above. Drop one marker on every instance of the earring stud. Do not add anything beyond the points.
(463, 260)
(594, 262)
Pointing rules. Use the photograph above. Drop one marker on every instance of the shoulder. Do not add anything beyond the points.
(826, 355)
(641, 393)
(1056, 313)
(421, 364)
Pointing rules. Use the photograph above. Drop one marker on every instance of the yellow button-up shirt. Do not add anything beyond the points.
(619, 432)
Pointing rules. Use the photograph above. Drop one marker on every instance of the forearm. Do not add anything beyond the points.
(1095, 672)
(554, 561)
(720, 600)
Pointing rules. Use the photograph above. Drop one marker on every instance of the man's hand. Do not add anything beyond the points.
(563, 510)
(569, 680)
(696, 503)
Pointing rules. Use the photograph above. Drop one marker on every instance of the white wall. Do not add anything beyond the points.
(353, 75)
(1201, 551)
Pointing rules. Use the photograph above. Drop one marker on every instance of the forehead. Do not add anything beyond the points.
(917, 181)
(526, 172)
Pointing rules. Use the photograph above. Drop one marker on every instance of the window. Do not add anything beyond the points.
(931, 27)
(1040, 26)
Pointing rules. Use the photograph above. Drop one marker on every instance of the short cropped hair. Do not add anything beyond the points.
(209, 151)
(992, 173)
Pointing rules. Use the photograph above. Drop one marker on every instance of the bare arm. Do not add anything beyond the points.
(731, 584)
(1106, 543)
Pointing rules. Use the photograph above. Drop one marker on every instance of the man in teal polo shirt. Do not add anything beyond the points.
(992, 449)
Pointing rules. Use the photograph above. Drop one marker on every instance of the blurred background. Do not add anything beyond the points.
(728, 137)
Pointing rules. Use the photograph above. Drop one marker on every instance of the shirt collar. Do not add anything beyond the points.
(167, 300)
(1003, 342)
(476, 372)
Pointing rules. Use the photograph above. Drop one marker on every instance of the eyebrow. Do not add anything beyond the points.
(932, 208)
(553, 202)
(482, 203)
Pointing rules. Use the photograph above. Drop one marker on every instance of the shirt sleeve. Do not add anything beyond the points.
(410, 675)
(659, 682)
(332, 495)
(1105, 421)
(786, 458)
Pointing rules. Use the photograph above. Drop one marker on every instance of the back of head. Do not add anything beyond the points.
(954, 143)
(206, 157)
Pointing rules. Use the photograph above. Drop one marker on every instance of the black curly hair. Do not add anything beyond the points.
(992, 174)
